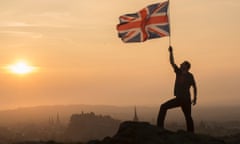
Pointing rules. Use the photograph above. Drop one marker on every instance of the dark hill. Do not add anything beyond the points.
(232, 139)
(144, 133)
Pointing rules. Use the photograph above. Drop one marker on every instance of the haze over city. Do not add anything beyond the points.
(73, 55)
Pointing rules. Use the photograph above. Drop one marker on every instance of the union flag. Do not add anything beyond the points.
(150, 22)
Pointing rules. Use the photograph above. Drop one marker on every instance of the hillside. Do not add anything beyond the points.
(144, 133)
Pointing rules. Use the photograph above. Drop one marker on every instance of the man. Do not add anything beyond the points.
(184, 80)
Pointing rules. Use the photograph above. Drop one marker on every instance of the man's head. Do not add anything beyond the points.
(185, 66)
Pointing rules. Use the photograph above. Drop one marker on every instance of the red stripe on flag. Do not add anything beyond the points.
(161, 34)
(144, 23)
(130, 25)
(158, 19)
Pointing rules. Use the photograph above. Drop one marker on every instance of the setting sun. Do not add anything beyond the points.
(21, 67)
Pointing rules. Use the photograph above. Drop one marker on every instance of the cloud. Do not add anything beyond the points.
(55, 15)
(19, 24)
(21, 34)
(13, 24)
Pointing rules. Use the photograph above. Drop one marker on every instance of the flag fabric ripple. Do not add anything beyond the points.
(150, 22)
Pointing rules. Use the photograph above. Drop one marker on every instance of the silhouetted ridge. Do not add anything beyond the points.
(232, 139)
(144, 133)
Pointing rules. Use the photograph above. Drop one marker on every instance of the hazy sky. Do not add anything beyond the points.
(81, 60)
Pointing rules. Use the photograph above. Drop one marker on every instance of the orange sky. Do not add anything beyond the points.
(82, 61)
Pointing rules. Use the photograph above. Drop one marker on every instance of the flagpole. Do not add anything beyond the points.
(168, 13)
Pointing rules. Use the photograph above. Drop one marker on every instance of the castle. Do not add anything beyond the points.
(87, 126)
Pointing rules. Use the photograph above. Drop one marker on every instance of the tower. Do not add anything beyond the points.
(135, 118)
(58, 119)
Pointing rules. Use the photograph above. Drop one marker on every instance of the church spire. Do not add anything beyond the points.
(58, 119)
(135, 118)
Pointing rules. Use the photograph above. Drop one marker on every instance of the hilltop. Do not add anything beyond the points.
(145, 133)
(130, 132)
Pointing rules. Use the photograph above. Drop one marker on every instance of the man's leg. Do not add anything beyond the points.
(186, 108)
(163, 110)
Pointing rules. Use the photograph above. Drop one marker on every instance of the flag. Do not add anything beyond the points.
(150, 22)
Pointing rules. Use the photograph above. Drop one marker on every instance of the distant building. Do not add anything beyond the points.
(58, 119)
(53, 122)
(55, 128)
(88, 126)
(135, 118)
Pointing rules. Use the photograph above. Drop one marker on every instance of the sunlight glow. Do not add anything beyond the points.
(21, 67)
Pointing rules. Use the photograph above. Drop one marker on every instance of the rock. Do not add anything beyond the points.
(145, 133)
(232, 139)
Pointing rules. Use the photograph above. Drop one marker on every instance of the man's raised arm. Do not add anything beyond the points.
(171, 58)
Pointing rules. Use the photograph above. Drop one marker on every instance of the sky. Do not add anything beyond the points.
(81, 60)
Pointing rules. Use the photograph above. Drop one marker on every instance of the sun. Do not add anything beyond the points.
(21, 67)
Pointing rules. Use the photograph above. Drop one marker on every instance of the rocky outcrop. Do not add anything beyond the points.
(232, 139)
(144, 133)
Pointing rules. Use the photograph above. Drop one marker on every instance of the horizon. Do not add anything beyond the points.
(72, 53)
(42, 114)
(118, 106)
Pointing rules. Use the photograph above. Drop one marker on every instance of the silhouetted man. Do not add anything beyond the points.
(184, 80)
